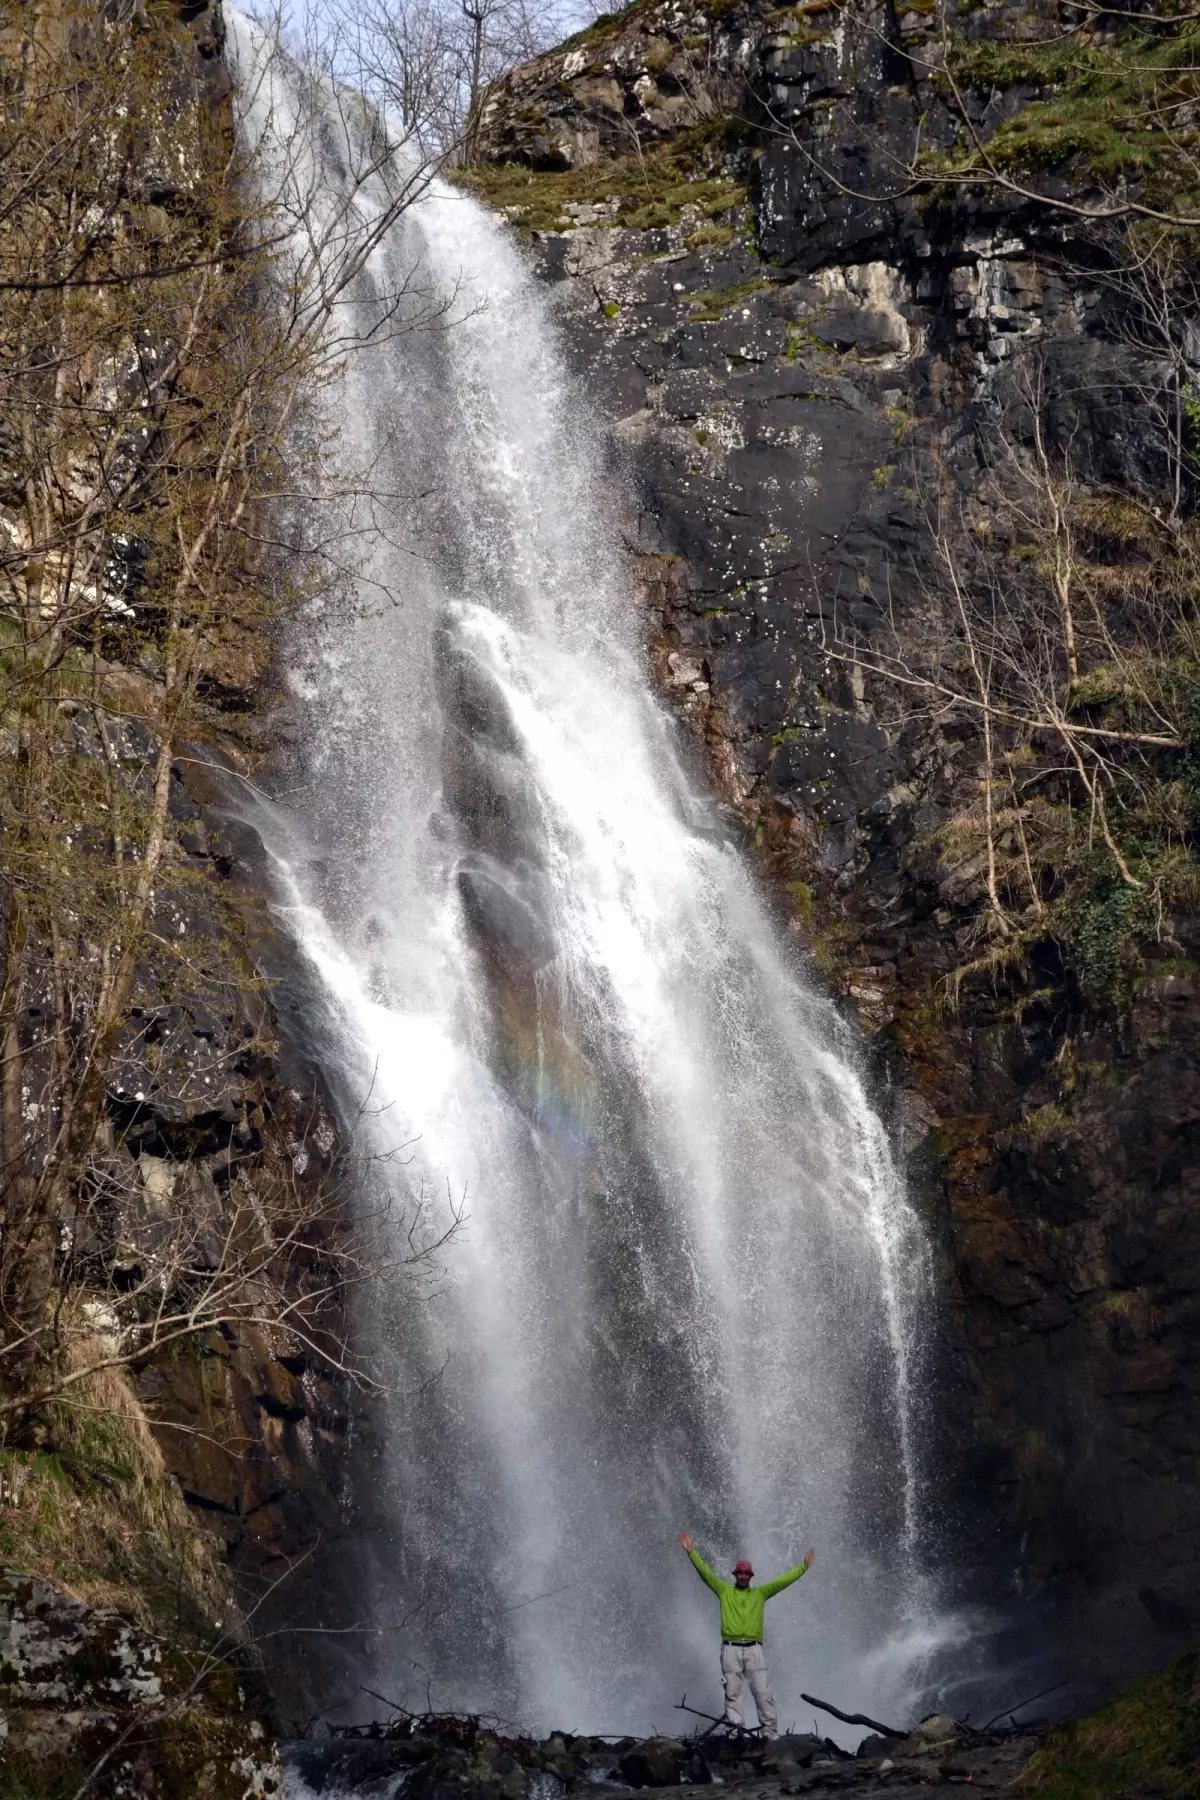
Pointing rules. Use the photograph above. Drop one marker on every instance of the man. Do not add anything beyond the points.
(742, 1655)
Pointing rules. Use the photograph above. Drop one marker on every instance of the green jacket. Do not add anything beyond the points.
(742, 1608)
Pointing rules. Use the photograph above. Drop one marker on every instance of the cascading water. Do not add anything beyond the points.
(688, 1290)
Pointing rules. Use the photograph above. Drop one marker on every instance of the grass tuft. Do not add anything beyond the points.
(100, 1515)
(1143, 1745)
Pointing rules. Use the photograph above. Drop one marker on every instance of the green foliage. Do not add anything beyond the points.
(1046, 1122)
(1104, 929)
(996, 63)
(714, 235)
(1144, 1745)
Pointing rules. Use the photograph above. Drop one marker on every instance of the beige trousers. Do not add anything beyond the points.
(748, 1662)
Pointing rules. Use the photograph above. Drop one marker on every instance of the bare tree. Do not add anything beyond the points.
(172, 309)
(1058, 631)
(429, 63)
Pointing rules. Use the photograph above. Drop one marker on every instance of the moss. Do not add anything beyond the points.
(99, 1513)
(658, 55)
(38, 1776)
(1104, 929)
(649, 191)
(994, 63)
(1052, 133)
(714, 234)
(605, 26)
(708, 304)
(183, 1753)
(801, 340)
(825, 952)
(1121, 1303)
(1046, 1122)
(1145, 1743)
(197, 1754)
(1116, 112)
(801, 897)
(901, 422)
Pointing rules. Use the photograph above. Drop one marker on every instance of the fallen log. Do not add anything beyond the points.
(854, 1718)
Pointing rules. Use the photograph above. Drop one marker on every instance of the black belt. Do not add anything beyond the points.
(742, 1642)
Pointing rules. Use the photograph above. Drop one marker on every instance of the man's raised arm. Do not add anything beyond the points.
(698, 1563)
(786, 1580)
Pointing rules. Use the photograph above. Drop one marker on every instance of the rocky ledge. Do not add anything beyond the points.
(459, 1760)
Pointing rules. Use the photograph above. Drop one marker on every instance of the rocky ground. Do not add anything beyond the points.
(458, 1760)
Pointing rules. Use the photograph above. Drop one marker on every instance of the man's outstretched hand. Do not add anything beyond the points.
(809, 1556)
(688, 1541)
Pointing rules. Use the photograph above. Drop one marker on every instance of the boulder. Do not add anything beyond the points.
(794, 1747)
(486, 1774)
(654, 1762)
(876, 1747)
(696, 1769)
(937, 1732)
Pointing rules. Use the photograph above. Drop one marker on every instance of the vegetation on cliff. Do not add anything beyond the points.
(152, 382)
(1062, 629)
(173, 1245)
(1060, 594)
(1108, 109)
(687, 175)
(1144, 1743)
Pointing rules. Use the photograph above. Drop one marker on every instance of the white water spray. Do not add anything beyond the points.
(688, 1293)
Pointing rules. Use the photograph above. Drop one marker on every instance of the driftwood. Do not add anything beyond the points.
(714, 1722)
(854, 1718)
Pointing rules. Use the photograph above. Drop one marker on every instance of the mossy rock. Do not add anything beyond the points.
(647, 192)
(188, 1754)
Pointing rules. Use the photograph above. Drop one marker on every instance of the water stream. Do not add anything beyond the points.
(688, 1290)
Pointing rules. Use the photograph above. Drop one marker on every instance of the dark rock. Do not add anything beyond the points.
(796, 1746)
(874, 1747)
(655, 1762)
(696, 1769)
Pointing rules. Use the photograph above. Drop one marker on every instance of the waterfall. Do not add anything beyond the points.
(688, 1287)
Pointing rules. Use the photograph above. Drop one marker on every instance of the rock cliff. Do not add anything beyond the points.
(178, 1460)
(803, 355)
(797, 352)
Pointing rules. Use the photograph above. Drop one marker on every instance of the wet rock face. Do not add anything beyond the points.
(84, 1691)
(781, 388)
(212, 1100)
(216, 1115)
(216, 1103)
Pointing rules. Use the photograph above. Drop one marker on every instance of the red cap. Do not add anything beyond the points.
(742, 1568)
